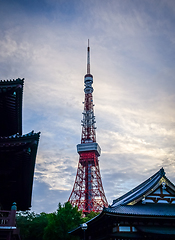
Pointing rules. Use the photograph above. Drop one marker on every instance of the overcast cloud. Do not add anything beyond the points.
(132, 60)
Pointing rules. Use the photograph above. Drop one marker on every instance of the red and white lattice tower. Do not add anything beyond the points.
(88, 193)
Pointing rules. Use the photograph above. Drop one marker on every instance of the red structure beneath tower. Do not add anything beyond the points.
(88, 193)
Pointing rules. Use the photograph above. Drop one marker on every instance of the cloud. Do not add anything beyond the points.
(132, 61)
(45, 199)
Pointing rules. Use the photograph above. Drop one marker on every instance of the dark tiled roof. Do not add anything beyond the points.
(18, 136)
(131, 202)
(17, 140)
(159, 209)
(140, 190)
(11, 83)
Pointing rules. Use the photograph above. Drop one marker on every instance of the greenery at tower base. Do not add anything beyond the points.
(51, 226)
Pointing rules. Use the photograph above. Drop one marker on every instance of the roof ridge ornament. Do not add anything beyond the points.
(162, 172)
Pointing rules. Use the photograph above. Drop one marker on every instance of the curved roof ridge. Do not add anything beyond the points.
(11, 81)
(17, 135)
(140, 188)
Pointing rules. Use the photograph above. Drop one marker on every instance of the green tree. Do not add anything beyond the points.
(89, 216)
(31, 225)
(63, 220)
(52, 226)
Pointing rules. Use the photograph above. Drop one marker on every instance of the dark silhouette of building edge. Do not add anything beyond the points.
(17, 158)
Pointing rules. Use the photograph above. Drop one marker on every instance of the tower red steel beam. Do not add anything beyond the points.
(88, 193)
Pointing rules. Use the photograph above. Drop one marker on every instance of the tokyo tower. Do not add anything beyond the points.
(88, 193)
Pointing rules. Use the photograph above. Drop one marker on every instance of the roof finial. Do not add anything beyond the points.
(88, 58)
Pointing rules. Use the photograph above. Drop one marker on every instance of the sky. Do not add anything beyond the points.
(132, 61)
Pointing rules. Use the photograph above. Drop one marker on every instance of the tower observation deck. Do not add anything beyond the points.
(88, 193)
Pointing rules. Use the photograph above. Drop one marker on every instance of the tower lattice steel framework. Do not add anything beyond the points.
(88, 193)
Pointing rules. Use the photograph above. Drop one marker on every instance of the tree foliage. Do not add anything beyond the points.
(89, 216)
(52, 226)
(31, 225)
(59, 223)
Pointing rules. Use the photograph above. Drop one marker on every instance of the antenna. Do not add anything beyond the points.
(88, 58)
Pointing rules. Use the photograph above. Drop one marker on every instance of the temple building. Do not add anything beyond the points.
(17, 157)
(145, 212)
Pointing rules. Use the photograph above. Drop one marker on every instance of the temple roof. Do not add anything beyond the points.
(137, 193)
(152, 201)
(16, 140)
(144, 189)
(150, 209)
(17, 161)
(154, 197)
(11, 106)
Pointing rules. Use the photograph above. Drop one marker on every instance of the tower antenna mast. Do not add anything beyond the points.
(88, 59)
